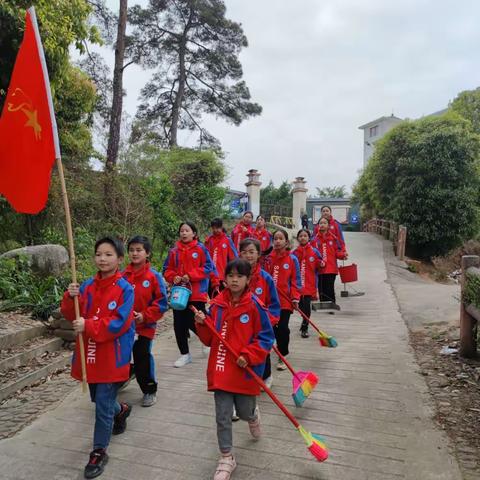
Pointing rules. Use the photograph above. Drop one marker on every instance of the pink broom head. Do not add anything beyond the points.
(304, 388)
(315, 444)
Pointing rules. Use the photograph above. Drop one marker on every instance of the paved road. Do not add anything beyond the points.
(371, 405)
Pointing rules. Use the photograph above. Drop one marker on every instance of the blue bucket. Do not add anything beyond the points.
(179, 297)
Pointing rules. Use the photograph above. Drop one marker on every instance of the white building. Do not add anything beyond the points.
(373, 131)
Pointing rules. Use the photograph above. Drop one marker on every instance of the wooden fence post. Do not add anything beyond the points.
(402, 240)
(468, 342)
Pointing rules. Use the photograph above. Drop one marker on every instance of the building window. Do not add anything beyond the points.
(374, 131)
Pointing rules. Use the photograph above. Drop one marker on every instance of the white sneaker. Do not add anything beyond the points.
(269, 381)
(149, 399)
(183, 360)
(281, 365)
(235, 417)
(205, 350)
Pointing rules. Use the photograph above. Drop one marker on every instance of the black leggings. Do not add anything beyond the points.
(144, 364)
(326, 287)
(183, 321)
(282, 332)
(268, 368)
(305, 306)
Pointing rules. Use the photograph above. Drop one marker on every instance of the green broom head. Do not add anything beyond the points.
(315, 444)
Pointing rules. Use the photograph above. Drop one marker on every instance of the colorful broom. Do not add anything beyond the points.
(315, 444)
(325, 339)
(303, 383)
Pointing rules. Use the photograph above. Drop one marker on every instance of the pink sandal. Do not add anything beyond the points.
(225, 468)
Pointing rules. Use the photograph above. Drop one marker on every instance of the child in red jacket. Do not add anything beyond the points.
(149, 307)
(106, 323)
(333, 225)
(331, 249)
(263, 235)
(285, 271)
(244, 322)
(221, 250)
(243, 229)
(188, 264)
(310, 261)
(262, 285)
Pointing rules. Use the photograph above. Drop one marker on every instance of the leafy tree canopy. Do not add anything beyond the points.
(425, 174)
(276, 201)
(194, 51)
(467, 104)
(62, 23)
(332, 192)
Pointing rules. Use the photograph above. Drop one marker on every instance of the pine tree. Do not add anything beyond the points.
(194, 50)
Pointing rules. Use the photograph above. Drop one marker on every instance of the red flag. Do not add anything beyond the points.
(28, 131)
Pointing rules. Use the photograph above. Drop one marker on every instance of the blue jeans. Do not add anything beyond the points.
(104, 395)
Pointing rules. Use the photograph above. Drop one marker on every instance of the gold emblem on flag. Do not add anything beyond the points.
(29, 110)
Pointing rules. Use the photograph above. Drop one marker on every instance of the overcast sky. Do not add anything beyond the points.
(322, 68)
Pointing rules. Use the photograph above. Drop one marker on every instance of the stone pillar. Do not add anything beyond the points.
(299, 192)
(253, 191)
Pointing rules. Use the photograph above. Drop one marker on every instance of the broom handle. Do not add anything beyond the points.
(68, 221)
(286, 362)
(311, 323)
(260, 382)
(304, 316)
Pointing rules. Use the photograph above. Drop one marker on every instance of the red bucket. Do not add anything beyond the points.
(348, 273)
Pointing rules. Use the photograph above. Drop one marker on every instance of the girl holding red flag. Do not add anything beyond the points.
(188, 264)
(311, 262)
(243, 321)
(106, 321)
(331, 249)
(243, 229)
(285, 271)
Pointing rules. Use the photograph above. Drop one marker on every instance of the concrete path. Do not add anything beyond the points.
(423, 302)
(371, 406)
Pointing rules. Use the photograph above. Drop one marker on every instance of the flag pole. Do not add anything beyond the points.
(71, 248)
(58, 159)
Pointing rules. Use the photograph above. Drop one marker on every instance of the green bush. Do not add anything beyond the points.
(22, 290)
(424, 174)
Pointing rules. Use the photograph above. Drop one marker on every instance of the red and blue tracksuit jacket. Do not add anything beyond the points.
(246, 326)
(150, 297)
(221, 251)
(106, 304)
(265, 238)
(285, 271)
(309, 259)
(335, 228)
(241, 232)
(190, 259)
(262, 285)
(331, 249)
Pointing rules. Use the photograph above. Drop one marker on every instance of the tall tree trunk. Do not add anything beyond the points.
(116, 115)
(182, 78)
(177, 105)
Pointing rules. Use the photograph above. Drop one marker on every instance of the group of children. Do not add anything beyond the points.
(252, 282)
